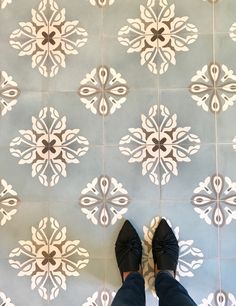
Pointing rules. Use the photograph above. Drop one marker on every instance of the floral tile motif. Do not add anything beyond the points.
(158, 36)
(49, 38)
(161, 145)
(49, 146)
(190, 257)
(102, 3)
(104, 200)
(8, 202)
(232, 32)
(4, 300)
(215, 200)
(4, 3)
(103, 91)
(9, 93)
(100, 298)
(214, 88)
(219, 298)
(49, 258)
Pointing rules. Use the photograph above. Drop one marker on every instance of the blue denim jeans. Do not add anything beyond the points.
(168, 289)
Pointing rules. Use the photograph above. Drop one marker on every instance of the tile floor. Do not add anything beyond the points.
(114, 110)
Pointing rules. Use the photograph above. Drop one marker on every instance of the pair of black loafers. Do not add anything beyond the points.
(128, 248)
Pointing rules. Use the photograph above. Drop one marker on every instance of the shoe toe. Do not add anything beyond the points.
(165, 247)
(128, 248)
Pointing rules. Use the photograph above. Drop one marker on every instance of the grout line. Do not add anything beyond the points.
(217, 159)
(159, 122)
(103, 117)
(150, 34)
(104, 166)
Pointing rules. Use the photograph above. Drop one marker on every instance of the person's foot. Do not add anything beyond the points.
(128, 250)
(165, 248)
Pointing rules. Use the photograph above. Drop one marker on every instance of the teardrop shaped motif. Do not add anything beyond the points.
(221, 298)
(10, 93)
(215, 103)
(214, 72)
(103, 107)
(104, 217)
(105, 298)
(103, 75)
(218, 216)
(104, 184)
(217, 184)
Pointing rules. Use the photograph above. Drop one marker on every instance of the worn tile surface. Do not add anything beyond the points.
(114, 110)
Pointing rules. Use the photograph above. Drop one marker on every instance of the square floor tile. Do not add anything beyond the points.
(17, 288)
(221, 10)
(68, 214)
(80, 174)
(186, 62)
(78, 66)
(138, 103)
(81, 287)
(28, 188)
(29, 105)
(138, 185)
(26, 77)
(177, 100)
(135, 64)
(189, 173)
(193, 10)
(12, 232)
(79, 119)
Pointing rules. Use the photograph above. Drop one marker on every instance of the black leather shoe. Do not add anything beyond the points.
(128, 249)
(165, 248)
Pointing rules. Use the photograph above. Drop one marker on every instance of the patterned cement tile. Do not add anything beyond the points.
(128, 173)
(20, 116)
(224, 8)
(20, 293)
(180, 74)
(70, 213)
(13, 231)
(131, 113)
(26, 78)
(128, 63)
(82, 287)
(183, 188)
(174, 100)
